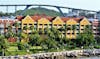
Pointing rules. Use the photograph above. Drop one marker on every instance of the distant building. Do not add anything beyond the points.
(96, 27)
(4, 23)
(98, 15)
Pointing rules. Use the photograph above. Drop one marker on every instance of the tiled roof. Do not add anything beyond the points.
(19, 17)
(37, 17)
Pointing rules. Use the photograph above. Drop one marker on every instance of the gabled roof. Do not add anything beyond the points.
(38, 17)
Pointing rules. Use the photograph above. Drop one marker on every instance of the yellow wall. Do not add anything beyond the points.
(72, 34)
(58, 22)
(83, 23)
(71, 22)
(43, 23)
(27, 21)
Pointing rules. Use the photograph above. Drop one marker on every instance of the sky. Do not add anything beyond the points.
(81, 4)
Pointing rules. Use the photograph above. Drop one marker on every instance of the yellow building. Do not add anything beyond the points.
(72, 24)
(27, 21)
(83, 23)
(58, 22)
(71, 29)
(43, 23)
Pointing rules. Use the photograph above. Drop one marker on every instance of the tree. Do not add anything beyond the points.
(73, 28)
(24, 37)
(9, 28)
(3, 44)
(20, 46)
(9, 32)
(98, 39)
(26, 28)
(16, 24)
(34, 39)
(66, 28)
(86, 38)
(32, 29)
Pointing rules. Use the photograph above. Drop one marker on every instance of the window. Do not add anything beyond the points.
(25, 24)
(72, 33)
(68, 33)
(45, 24)
(82, 25)
(50, 24)
(60, 25)
(30, 24)
(40, 24)
(55, 24)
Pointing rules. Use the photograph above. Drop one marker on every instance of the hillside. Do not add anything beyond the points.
(38, 10)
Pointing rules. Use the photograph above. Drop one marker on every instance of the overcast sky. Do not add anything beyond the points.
(83, 4)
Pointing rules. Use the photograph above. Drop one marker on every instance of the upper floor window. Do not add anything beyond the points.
(25, 24)
(30, 24)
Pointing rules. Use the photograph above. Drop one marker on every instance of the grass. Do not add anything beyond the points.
(12, 48)
(36, 47)
(18, 52)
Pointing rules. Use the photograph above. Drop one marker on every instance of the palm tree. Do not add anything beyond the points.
(10, 35)
(26, 28)
(9, 28)
(16, 24)
(9, 32)
(32, 28)
(74, 28)
(66, 29)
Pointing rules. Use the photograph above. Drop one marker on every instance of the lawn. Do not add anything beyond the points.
(36, 47)
(12, 48)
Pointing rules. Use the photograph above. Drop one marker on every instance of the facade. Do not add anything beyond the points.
(73, 26)
(42, 24)
(4, 23)
(83, 24)
(96, 27)
(57, 23)
(71, 33)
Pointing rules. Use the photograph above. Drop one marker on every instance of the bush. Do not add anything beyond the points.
(20, 46)
(97, 47)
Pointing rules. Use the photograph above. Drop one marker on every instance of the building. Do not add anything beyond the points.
(73, 26)
(42, 22)
(4, 23)
(96, 27)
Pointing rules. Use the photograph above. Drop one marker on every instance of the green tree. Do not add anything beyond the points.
(34, 39)
(32, 29)
(26, 28)
(3, 44)
(16, 24)
(73, 28)
(86, 38)
(9, 32)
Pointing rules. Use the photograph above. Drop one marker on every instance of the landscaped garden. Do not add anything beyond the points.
(49, 40)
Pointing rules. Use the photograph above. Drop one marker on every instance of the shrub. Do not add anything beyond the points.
(97, 47)
(20, 46)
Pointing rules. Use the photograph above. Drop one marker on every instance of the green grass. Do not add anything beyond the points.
(18, 52)
(12, 48)
(36, 47)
